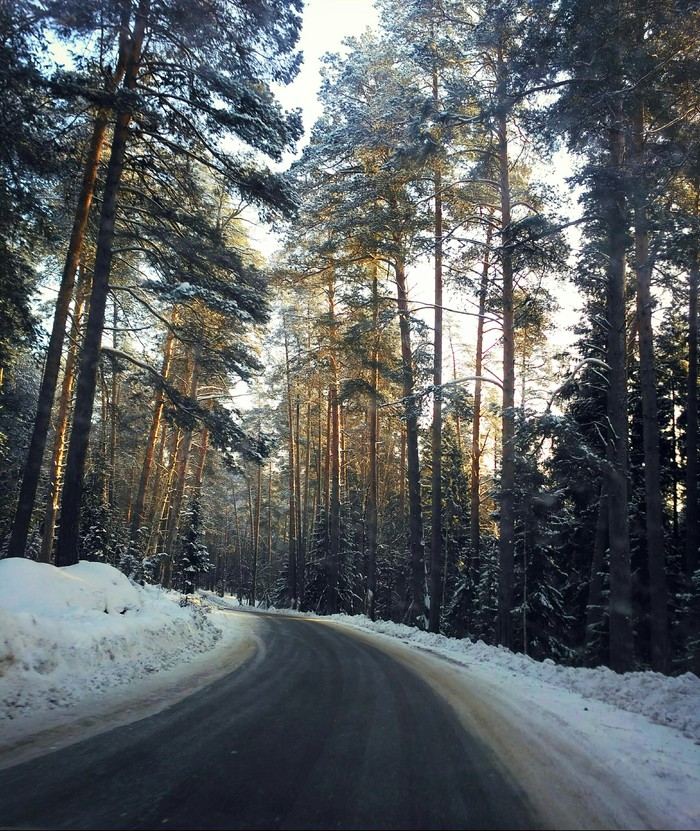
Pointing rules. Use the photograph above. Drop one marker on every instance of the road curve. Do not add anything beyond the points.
(320, 729)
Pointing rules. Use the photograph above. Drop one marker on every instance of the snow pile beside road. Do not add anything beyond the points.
(671, 701)
(86, 628)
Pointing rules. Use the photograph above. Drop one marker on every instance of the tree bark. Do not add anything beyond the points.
(621, 634)
(507, 496)
(417, 611)
(475, 480)
(292, 541)
(181, 465)
(137, 511)
(594, 607)
(658, 599)
(256, 538)
(692, 537)
(333, 556)
(62, 421)
(49, 381)
(372, 494)
(67, 548)
(436, 548)
(297, 488)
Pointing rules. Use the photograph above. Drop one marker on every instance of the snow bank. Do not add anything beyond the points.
(86, 628)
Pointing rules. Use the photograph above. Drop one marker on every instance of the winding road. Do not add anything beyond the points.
(322, 727)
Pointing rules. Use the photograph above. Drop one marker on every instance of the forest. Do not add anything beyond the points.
(296, 428)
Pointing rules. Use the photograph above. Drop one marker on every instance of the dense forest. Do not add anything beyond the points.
(298, 429)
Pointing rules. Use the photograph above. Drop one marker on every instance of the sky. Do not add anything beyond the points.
(83, 641)
(325, 24)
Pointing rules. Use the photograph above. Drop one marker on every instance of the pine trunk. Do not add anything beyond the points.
(621, 635)
(507, 495)
(372, 494)
(417, 610)
(692, 537)
(49, 381)
(333, 557)
(178, 493)
(436, 548)
(594, 607)
(292, 541)
(475, 480)
(137, 511)
(62, 422)
(256, 538)
(67, 548)
(658, 599)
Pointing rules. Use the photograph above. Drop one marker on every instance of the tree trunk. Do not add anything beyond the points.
(372, 494)
(67, 548)
(181, 464)
(658, 599)
(269, 514)
(113, 415)
(306, 507)
(160, 508)
(333, 557)
(436, 552)
(256, 538)
(62, 420)
(692, 538)
(301, 567)
(507, 497)
(137, 512)
(199, 472)
(594, 607)
(417, 612)
(475, 480)
(292, 542)
(621, 634)
(49, 381)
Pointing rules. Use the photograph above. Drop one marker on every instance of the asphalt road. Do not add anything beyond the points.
(320, 729)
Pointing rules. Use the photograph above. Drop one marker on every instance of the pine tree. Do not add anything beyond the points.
(214, 66)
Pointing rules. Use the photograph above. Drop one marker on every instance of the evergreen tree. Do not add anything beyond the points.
(215, 88)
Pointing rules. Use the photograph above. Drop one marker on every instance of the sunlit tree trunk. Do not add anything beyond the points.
(113, 414)
(137, 513)
(507, 504)
(292, 585)
(256, 537)
(178, 491)
(416, 612)
(62, 421)
(67, 546)
(373, 484)
(301, 565)
(333, 556)
(49, 381)
(163, 487)
(203, 449)
(436, 552)
(306, 510)
(475, 479)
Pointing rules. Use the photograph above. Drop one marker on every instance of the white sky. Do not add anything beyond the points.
(83, 641)
(326, 24)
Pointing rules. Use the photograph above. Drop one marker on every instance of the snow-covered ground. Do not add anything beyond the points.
(76, 636)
